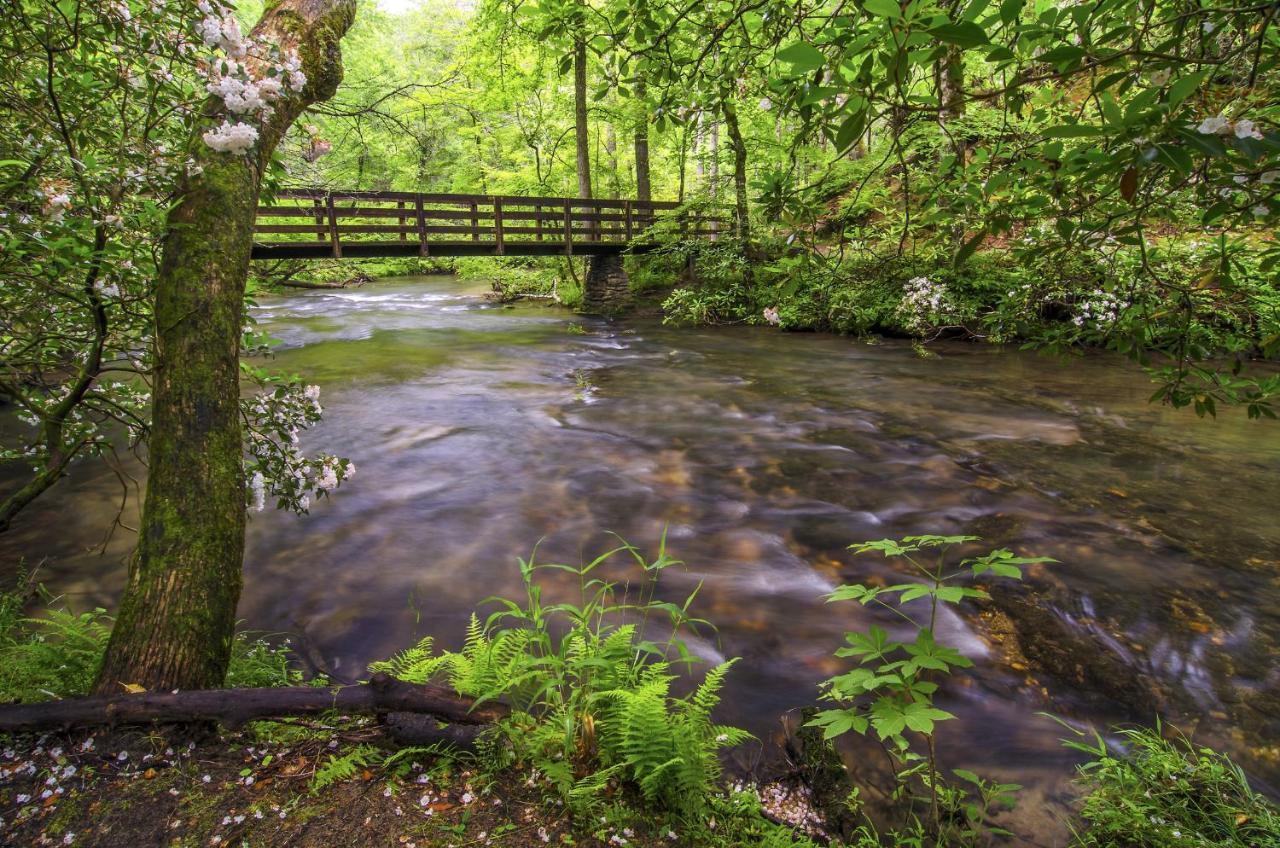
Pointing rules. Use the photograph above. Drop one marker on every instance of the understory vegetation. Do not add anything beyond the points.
(612, 720)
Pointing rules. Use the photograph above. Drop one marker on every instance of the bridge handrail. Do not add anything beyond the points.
(477, 223)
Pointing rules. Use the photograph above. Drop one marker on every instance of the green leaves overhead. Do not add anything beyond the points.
(962, 34)
(883, 8)
(803, 57)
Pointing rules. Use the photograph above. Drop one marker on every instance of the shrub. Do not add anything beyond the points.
(1161, 793)
(590, 695)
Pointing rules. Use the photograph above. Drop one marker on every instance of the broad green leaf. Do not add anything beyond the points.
(962, 34)
(802, 56)
(883, 8)
(1184, 87)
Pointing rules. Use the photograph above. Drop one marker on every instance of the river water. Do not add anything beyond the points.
(480, 429)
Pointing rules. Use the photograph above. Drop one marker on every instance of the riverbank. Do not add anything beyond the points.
(265, 788)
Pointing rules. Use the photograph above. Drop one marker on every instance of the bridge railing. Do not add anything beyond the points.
(318, 222)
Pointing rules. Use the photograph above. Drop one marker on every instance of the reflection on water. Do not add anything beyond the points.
(480, 429)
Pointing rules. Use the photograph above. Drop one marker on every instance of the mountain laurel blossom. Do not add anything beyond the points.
(276, 465)
(1101, 310)
(1221, 125)
(231, 78)
(232, 138)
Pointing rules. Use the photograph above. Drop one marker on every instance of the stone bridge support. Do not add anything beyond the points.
(607, 288)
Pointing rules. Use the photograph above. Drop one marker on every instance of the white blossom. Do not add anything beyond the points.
(1214, 125)
(232, 138)
(1246, 129)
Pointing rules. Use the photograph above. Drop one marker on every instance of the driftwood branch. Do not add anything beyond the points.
(382, 695)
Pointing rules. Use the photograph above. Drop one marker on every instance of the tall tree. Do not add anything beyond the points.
(177, 617)
(644, 185)
(581, 133)
(742, 224)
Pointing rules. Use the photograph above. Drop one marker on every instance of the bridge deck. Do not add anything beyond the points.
(315, 223)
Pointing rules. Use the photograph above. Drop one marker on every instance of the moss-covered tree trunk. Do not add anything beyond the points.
(176, 620)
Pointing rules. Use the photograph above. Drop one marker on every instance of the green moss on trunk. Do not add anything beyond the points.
(177, 617)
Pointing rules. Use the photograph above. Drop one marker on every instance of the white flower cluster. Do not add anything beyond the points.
(1221, 125)
(771, 316)
(923, 301)
(232, 138)
(276, 465)
(231, 78)
(1102, 310)
(57, 200)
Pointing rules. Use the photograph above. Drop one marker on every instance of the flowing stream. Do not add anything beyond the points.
(480, 429)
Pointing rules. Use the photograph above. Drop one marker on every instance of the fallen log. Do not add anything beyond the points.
(383, 694)
(421, 729)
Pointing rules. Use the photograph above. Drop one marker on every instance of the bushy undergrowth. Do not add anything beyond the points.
(1162, 793)
(513, 277)
(590, 685)
(56, 652)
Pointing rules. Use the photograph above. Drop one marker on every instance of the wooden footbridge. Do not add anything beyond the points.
(319, 223)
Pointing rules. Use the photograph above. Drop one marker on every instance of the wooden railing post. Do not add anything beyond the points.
(400, 208)
(321, 232)
(537, 218)
(497, 227)
(422, 226)
(627, 213)
(333, 226)
(568, 228)
(475, 222)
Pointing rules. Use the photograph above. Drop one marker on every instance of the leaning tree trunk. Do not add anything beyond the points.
(177, 617)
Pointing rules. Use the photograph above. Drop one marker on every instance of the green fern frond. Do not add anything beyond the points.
(344, 767)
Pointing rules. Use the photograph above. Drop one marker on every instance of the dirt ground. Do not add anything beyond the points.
(237, 790)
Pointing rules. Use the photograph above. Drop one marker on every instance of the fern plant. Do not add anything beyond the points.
(589, 688)
(667, 746)
(344, 766)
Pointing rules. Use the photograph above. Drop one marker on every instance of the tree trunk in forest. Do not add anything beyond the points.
(611, 154)
(949, 72)
(580, 118)
(713, 168)
(699, 165)
(644, 188)
(949, 78)
(177, 616)
(742, 225)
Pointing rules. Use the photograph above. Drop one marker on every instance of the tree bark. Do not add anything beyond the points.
(742, 224)
(234, 707)
(176, 620)
(611, 154)
(949, 72)
(644, 188)
(580, 118)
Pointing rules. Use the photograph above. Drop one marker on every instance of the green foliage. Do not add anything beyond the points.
(1160, 793)
(667, 746)
(590, 694)
(344, 766)
(891, 690)
(56, 653)
(50, 656)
